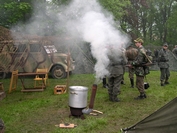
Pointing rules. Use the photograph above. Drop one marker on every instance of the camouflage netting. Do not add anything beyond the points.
(5, 34)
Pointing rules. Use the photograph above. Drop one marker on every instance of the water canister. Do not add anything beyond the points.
(78, 96)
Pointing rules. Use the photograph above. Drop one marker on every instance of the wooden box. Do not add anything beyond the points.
(60, 89)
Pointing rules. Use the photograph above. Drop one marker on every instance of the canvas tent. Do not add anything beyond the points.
(164, 120)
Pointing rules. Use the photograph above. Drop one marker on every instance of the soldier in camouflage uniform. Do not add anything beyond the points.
(139, 69)
(174, 51)
(131, 54)
(117, 62)
(163, 63)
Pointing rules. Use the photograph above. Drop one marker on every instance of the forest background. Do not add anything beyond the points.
(153, 20)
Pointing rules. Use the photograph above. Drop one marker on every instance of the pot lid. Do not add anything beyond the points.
(78, 88)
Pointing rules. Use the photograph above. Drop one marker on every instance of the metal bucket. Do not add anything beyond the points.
(78, 96)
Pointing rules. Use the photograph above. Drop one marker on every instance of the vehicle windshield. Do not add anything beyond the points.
(50, 49)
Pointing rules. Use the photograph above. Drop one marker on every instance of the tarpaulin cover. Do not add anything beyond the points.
(164, 120)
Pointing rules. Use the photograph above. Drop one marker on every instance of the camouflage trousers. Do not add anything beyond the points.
(164, 74)
(140, 84)
(131, 72)
(114, 84)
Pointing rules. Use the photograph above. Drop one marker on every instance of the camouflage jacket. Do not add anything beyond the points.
(140, 60)
(163, 59)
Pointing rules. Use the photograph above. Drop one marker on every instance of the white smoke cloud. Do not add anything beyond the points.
(84, 20)
(96, 26)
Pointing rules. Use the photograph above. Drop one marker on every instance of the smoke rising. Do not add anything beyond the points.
(96, 26)
(85, 21)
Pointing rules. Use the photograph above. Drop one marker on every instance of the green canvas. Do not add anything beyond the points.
(164, 120)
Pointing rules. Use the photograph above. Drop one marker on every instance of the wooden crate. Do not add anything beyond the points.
(60, 89)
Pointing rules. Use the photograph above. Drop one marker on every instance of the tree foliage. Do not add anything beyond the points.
(153, 20)
(13, 12)
(171, 25)
(116, 7)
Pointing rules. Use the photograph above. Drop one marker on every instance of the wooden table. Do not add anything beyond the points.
(22, 77)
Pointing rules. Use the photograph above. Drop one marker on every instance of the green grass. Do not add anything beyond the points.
(39, 112)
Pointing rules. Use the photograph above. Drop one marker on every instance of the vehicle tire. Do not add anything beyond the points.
(58, 72)
(2, 73)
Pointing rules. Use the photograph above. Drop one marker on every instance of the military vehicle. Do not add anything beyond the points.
(28, 55)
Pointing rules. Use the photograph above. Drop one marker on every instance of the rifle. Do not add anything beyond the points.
(147, 57)
(142, 65)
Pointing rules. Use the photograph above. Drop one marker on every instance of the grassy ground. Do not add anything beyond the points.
(39, 112)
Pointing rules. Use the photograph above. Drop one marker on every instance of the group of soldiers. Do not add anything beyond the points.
(137, 61)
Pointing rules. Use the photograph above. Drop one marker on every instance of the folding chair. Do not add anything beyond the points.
(13, 81)
(40, 79)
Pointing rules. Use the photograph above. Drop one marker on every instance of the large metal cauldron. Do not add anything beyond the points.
(78, 96)
(77, 99)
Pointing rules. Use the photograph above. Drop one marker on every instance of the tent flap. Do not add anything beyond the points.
(164, 120)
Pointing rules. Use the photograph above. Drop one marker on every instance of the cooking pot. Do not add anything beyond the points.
(78, 96)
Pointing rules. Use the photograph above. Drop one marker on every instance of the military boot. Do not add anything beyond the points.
(162, 83)
(132, 83)
(115, 98)
(166, 81)
(111, 98)
(141, 96)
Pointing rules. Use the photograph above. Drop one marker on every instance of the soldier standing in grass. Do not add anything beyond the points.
(139, 69)
(116, 69)
(131, 54)
(174, 51)
(163, 63)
